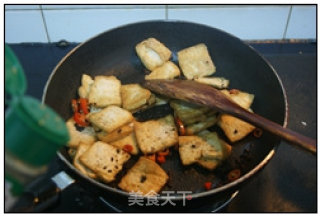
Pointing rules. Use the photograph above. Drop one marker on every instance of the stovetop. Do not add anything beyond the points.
(287, 184)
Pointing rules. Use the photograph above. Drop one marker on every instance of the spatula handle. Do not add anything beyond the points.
(285, 133)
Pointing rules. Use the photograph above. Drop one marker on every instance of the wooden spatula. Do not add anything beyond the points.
(202, 94)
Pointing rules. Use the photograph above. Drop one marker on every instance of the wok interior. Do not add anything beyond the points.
(113, 53)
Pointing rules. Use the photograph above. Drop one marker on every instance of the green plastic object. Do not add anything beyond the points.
(33, 131)
(15, 80)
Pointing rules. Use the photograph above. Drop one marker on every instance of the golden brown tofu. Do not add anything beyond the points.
(127, 141)
(241, 98)
(117, 134)
(87, 135)
(202, 125)
(196, 62)
(166, 71)
(152, 53)
(86, 83)
(145, 177)
(134, 96)
(235, 128)
(110, 118)
(190, 149)
(215, 152)
(82, 148)
(105, 91)
(105, 160)
(156, 135)
(217, 82)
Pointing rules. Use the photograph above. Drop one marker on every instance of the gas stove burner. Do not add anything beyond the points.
(215, 207)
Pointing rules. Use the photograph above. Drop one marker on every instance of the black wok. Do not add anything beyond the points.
(112, 53)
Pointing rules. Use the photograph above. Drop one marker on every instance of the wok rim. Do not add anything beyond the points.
(214, 191)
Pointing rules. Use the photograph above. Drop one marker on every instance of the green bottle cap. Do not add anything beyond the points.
(33, 131)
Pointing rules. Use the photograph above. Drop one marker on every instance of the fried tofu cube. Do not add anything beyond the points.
(217, 148)
(156, 135)
(217, 82)
(86, 83)
(152, 53)
(87, 135)
(190, 149)
(110, 118)
(241, 98)
(234, 128)
(117, 134)
(215, 152)
(83, 147)
(196, 62)
(130, 140)
(200, 126)
(205, 149)
(105, 91)
(134, 96)
(166, 71)
(145, 177)
(105, 160)
(188, 113)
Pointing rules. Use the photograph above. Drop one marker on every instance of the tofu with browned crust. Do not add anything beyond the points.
(188, 113)
(217, 82)
(215, 152)
(134, 97)
(105, 91)
(152, 53)
(156, 135)
(216, 148)
(110, 118)
(105, 160)
(129, 140)
(82, 148)
(86, 83)
(241, 98)
(145, 177)
(209, 121)
(166, 71)
(234, 128)
(117, 134)
(205, 149)
(87, 135)
(190, 149)
(196, 62)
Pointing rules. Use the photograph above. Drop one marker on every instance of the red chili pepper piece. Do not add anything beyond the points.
(127, 148)
(151, 157)
(207, 185)
(84, 105)
(233, 91)
(181, 128)
(80, 119)
(161, 159)
(74, 105)
(234, 174)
